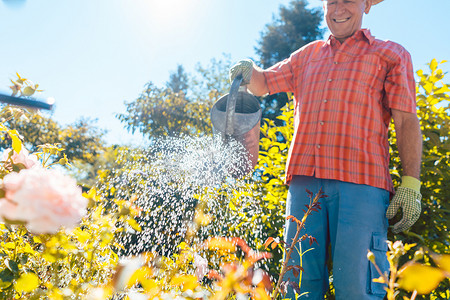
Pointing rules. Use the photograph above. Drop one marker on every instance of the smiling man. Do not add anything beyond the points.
(346, 91)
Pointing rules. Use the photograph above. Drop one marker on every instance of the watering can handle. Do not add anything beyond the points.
(231, 105)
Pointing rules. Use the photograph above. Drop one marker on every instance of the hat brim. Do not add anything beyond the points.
(376, 1)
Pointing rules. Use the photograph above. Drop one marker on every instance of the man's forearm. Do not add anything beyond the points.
(409, 142)
(258, 84)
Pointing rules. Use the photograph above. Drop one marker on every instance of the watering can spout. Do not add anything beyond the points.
(237, 116)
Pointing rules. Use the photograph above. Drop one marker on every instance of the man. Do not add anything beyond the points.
(346, 90)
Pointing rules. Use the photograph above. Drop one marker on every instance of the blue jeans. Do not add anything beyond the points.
(351, 221)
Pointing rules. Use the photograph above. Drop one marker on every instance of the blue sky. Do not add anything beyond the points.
(93, 55)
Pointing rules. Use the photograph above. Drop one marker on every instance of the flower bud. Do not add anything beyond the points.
(63, 161)
(124, 211)
(371, 256)
(418, 255)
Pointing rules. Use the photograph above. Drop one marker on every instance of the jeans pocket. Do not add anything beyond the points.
(379, 249)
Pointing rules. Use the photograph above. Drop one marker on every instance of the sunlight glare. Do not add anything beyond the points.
(172, 13)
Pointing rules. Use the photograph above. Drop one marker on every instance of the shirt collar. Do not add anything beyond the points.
(362, 34)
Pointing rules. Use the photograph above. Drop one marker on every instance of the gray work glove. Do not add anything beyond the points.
(243, 67)
(408, 198)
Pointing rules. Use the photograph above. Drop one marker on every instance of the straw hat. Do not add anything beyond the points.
(376, 1)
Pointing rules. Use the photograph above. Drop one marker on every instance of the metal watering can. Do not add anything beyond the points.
(237, 115)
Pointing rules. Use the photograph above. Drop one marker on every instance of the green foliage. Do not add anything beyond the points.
(162, 112)
(432, 228)
(65, 265)
(295, 27)
(179, 81)
(81, 140)
(178, 109)
(210, 82)
(270, 171)
(89, 174)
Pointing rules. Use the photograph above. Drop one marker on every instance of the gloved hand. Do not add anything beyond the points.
(408, 198)
(243, 67)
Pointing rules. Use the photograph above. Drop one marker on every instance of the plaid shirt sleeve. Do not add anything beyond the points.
(279, 77)
(400, 84)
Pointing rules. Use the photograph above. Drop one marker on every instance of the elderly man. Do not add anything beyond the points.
(346, 90)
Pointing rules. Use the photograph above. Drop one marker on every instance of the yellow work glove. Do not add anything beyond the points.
(408, 198)
(243, 67)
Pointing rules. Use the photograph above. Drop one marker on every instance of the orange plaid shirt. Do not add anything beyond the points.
(343, 96)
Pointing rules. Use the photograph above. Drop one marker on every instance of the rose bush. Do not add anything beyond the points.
(43, 199)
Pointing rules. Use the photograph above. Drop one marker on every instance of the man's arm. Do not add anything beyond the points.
(252, 75)
(258, 84)
(409, 142)
(407, 196)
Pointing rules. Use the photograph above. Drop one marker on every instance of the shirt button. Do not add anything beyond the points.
(325, 101)
(318, 146)
(321, 123)
(330, 80)
(335, 62)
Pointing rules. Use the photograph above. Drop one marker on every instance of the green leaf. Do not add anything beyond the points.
(434, 138)
(17, 167)
(6, 276)
(12, 266)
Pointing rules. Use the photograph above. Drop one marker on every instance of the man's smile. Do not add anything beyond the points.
(341, 20)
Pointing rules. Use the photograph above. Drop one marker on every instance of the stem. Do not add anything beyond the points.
(381, 273)
(294, 241)
(91, 263)
(301, 264)
(414, 294)
(285, 262)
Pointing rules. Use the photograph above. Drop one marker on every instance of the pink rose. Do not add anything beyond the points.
(23, 157)
(45, 199)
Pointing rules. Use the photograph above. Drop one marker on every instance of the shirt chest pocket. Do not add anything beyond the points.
(367, 73)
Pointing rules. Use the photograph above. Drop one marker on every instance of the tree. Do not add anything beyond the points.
(210, 82)
(80, 140)
(162, 111)
(295, 27)
(179, 81)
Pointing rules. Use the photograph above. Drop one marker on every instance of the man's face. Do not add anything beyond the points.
(344, 17)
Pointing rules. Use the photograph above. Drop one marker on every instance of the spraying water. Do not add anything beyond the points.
(171, 177)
